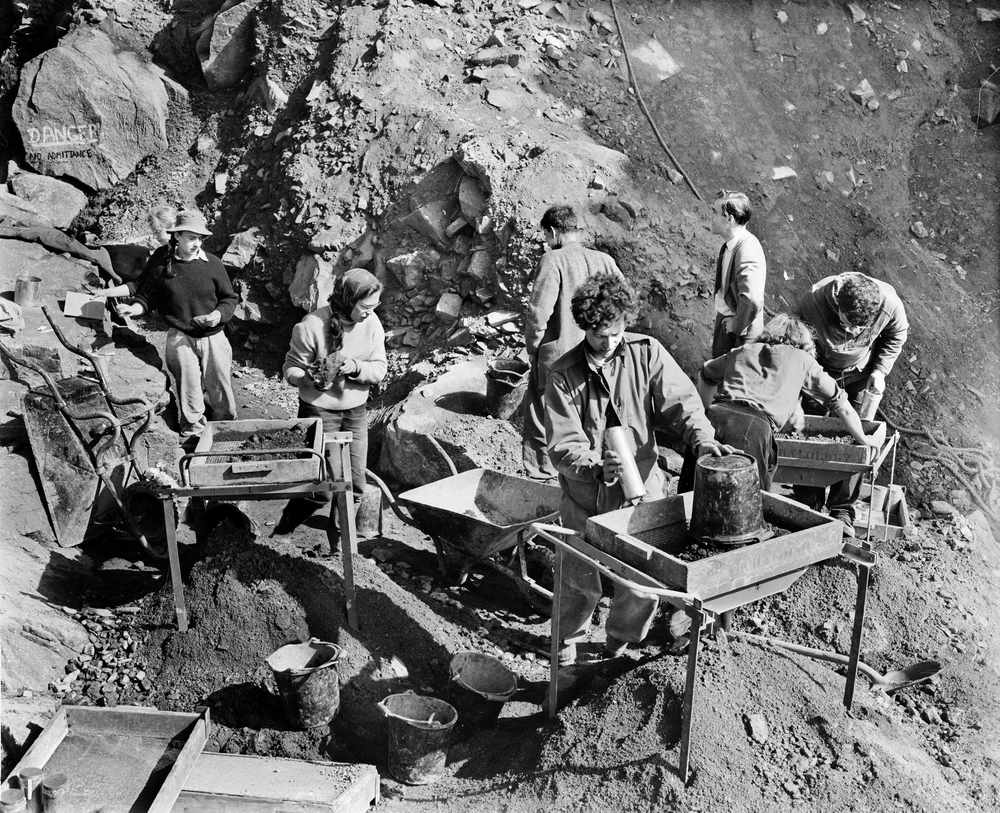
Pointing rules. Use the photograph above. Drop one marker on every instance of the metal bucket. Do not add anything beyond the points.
(506, 383)
(420, 731)
(26, 290)
(727, 505)
(308, 681)
(480, 685)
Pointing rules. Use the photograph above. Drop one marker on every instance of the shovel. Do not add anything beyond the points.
(890, 682)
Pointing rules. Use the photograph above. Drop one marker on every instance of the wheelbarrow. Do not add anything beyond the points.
(483, 517)
(84, 437)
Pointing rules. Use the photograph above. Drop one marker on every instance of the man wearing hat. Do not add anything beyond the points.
(192, 292)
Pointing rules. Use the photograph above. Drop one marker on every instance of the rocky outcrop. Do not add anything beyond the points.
(452, 411)
(225, 47)
(90, 110)
(60, 201)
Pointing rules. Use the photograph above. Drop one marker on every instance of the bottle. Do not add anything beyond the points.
(870, 400)
(52, 793)
(30, 780)
(619, 440)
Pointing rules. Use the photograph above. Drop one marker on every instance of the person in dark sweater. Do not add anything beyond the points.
(192, 292)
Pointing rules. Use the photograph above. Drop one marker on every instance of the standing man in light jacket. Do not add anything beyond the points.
(612, 378)
(549, 329)
(740, 274)
(861, 328)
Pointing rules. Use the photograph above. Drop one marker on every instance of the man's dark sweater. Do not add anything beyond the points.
(195, 288)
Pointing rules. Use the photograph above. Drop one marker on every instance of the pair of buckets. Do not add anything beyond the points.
(421, 728)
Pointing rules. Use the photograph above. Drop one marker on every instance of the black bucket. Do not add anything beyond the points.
(480, 685)
(506, 383)
(308, 681)
(420, 730)
(727, 507)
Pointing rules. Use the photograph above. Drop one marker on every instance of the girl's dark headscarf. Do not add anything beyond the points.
(350, 288)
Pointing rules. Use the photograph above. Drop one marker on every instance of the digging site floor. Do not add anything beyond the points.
(382, 105)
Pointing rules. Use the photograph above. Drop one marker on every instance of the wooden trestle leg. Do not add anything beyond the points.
(687, 707)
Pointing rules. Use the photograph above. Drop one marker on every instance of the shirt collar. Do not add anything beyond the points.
(200, 255)
(738, 232)
(596, 366)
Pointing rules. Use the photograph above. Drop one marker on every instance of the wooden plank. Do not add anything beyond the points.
(232, 782)
(184, 763)
(130, 721)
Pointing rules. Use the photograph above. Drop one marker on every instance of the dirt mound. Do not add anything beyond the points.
(245, 599)
(618, 747)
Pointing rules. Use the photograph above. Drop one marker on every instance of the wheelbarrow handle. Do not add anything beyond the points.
(555, 534)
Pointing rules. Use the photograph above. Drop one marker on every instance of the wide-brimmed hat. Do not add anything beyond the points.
(191, 220)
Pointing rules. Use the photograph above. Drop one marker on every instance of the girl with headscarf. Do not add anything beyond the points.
(336, 354)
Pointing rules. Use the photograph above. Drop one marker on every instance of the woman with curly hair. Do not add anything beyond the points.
(753, 391)
(612, 378)
(336, 354)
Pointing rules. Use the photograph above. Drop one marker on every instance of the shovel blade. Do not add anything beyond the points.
(911, 675)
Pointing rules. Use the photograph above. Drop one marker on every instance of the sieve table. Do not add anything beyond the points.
(334, 478)
(703, 597)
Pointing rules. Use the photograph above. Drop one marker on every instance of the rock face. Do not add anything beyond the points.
(225, 47)
(313, 282)
(90, 110)
(60, 201)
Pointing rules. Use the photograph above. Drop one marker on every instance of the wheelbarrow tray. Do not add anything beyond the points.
(125, 758)
(480, 511)
(224, 438)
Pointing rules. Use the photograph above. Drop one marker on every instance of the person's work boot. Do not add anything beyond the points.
(845, 517)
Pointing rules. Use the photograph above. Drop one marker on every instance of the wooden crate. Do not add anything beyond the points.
(816, 451)
(890, 513)
(232, 783)
(647, 535)
(252, 468)
(123, 758)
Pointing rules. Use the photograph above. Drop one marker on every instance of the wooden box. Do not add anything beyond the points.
(123, 758)
(232, 783)
(225, 438)
(890, 514)
(648, 536)
(814, 461)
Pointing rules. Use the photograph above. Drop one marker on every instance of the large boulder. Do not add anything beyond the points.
(59, 201)
(452, 411)
(90, 110)
(225, 47)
